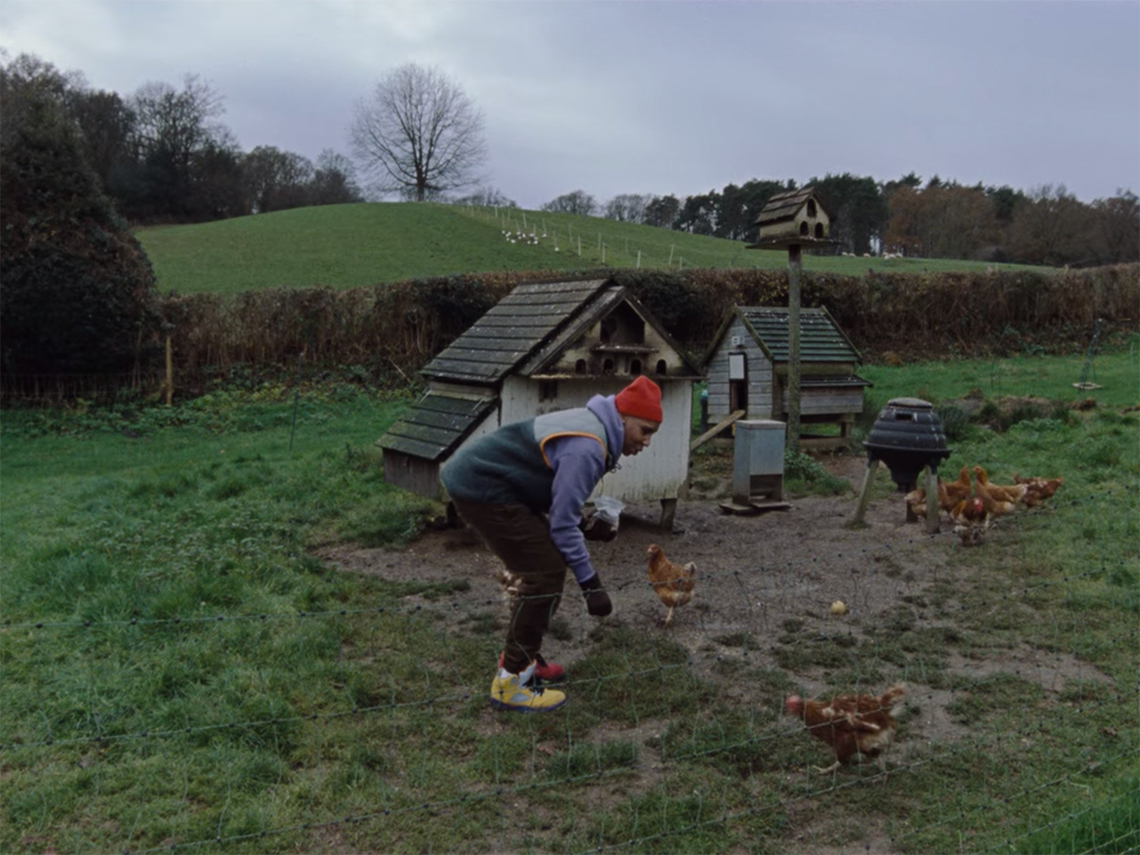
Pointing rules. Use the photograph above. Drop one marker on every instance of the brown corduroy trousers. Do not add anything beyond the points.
(521, 538)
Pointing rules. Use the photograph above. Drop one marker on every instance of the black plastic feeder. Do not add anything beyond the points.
(907, 436)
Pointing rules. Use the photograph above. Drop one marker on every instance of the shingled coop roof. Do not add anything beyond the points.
(513, 330)
(821, 340)
(435, 424)
(783, 206)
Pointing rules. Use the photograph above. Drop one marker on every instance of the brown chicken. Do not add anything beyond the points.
(970, 521)
(955, 491)
(853, 725)
(673, 583)
(949, 494)
(1037, 489)
(998, 499)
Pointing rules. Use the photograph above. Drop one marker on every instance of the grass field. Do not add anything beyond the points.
(178, 673)
(346, 246)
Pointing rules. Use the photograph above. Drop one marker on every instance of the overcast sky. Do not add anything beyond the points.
(657, 97)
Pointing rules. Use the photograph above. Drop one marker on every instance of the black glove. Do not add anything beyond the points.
(595, 528)
(597, 600)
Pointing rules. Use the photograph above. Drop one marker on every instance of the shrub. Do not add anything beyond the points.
(78, 289)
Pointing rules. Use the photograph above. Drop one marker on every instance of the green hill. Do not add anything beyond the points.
(346, 246)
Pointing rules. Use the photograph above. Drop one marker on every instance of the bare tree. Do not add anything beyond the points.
(485, 197)
(171, 128)
(1116, 227)
(334, 182)
(626, 208)
(1052, 228)
(575, 202)
(418, 134)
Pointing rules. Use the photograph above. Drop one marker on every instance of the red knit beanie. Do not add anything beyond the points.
(640, 399)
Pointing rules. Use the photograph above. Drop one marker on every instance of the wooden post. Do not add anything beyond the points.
(671, 248)
(169, 371)
(603, 253)
(865, 490)
(795, 267)
(933, 521)
(639, 259)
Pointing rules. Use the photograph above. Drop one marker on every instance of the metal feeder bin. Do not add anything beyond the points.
(907, 436)
(758, 461)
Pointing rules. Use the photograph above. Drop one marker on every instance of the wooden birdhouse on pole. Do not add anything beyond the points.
(794, 220)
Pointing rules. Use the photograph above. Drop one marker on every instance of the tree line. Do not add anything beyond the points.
(935, 219)
(161, 154)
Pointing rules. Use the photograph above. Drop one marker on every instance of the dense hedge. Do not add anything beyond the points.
(387, 332)
(394, 329)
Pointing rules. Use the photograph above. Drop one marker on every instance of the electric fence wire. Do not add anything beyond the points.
(760, 588)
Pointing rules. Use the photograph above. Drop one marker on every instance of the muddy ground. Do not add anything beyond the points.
(758, 577)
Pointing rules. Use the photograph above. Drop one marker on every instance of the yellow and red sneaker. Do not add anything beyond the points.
(508, 694)
(547, 672)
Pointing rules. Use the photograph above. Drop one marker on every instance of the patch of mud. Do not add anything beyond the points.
(761, 579)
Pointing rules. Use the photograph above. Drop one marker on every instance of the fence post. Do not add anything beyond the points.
(639, 259)
(169, 370)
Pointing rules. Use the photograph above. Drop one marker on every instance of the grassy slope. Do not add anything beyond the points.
(345, 246)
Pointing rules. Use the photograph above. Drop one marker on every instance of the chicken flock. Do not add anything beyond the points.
(972, 507)
(863, 726)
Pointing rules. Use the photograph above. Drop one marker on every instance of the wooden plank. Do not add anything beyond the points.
(497, 359)
(440, 437)
(509, 335)
(713, 431)
(452, 405)
(504, 319)
(464, 368)
(411, 447)
(454, 422)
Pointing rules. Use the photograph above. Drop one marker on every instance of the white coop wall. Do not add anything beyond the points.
(659, 472)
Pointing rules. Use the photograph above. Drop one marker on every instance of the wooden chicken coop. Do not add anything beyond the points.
(747, 368)
(544, 347)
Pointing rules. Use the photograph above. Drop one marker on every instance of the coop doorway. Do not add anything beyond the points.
(737, 382)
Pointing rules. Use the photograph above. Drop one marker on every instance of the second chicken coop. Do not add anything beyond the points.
(747, 368)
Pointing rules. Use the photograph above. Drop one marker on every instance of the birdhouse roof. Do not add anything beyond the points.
(783, 206)
(821, 340)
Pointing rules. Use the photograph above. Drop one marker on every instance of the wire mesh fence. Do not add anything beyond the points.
(674, 739)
